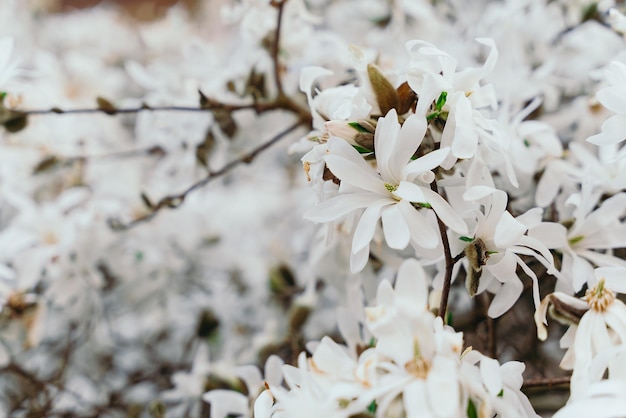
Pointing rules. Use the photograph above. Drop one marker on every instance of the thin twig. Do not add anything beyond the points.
(547, 382)
(447, 279)
(211, 106)
(175, 200)
(280, 5)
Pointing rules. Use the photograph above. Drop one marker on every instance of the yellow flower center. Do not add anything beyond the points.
(390, 187)
(417, 366)
(599, 298)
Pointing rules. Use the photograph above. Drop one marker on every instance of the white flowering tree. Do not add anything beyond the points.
(313, 208)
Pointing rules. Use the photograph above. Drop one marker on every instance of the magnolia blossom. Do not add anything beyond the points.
(413, 367)
(601, 327)
(494, 251)
(431, 73)
(588, 242)
(389, 191)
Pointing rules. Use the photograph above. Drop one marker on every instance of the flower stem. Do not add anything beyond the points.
(447, 279)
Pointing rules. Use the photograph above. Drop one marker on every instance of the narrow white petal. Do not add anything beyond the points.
(366, 227)
(445, 212)
(490, 372)
(226, 402)
(385, 139)
(412, 285)
(508, 231)
(358, 260)
(443, 387)
(410, 191)
(505, 298)
(465, 139)
(423, 232)
(339, 206)
(395, 228)
(551, 234)
(612, 98)
(478, 192)
(613, 131)
(415, 400)
(409, 138)
(263, 405)
(348, 171)
(614, 277)
(426, 163)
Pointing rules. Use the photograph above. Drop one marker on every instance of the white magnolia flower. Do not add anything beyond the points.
(604, 172)
(595, 230)
(602, 326)
(432, 72)
(389, 191)
(494, 251)
(495, 388)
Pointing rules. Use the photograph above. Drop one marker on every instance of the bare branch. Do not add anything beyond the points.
(280, 5)
(174, 201)
(447, 279)
(547, 382)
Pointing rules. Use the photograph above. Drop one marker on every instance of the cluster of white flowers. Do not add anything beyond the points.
(413, 363)
(474, 153)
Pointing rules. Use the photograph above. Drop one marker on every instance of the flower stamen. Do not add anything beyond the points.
(599, 297)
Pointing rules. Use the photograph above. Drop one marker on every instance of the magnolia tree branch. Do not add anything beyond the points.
(280, 5)
(546, 382)
(206, 105)
(175, 200)
(447, 279)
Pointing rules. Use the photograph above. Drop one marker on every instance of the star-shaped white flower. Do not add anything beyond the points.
(388, 192)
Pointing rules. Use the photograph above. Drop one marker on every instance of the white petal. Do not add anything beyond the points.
(612, 98)
(551, 234)
(423, 232)
(410, 191)
(426, 163)
(308, 75)
(395, 228)
(409, 139)
(508, 231)
(490, 372)
(613, 131)
(272, 370)
(366, 227)
(415, 400)
(465, 138)
(505, 298)
(478, 192)
(385, 138)
(443, 387)
(615, 277)
(445, 212)
(263, 405)
(226, 402)
(412, 286)
(347, 171)
(339, 206)
(359, 259)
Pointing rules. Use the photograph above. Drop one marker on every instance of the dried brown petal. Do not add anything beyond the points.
(386, 95)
